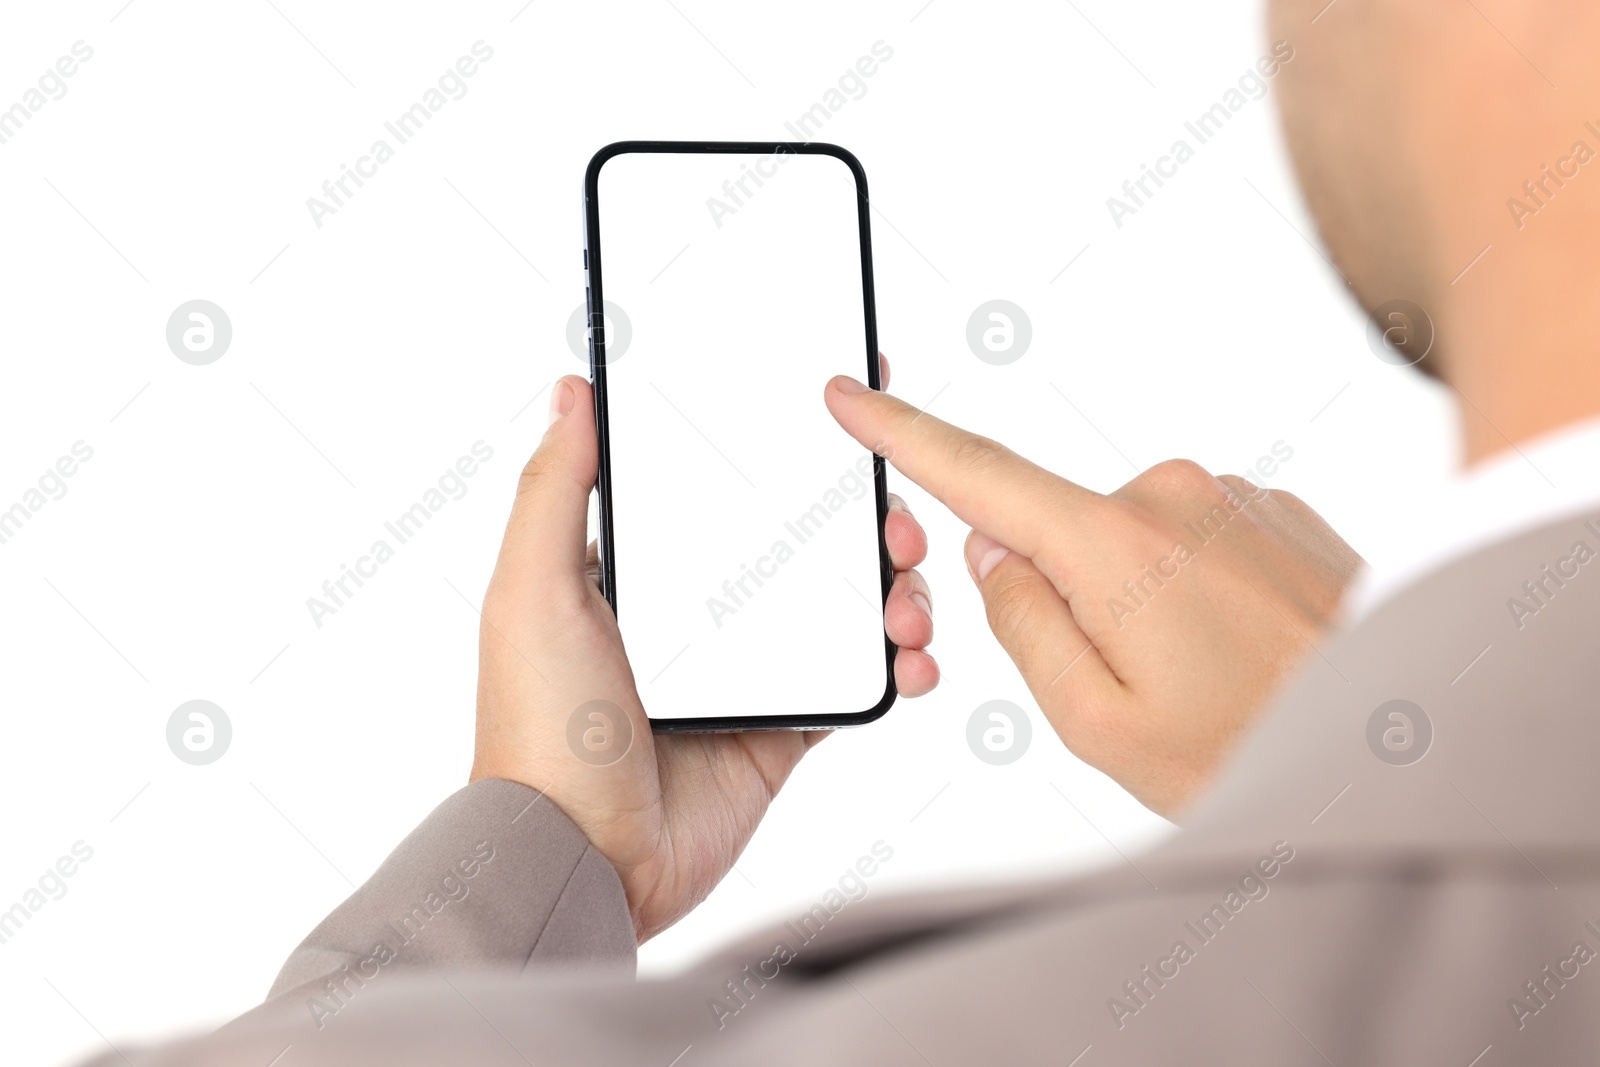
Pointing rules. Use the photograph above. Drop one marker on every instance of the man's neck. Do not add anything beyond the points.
(1522, 355)
(1502, 415)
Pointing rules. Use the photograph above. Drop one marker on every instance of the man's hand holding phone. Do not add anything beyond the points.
(672, 812)
(1152, 686)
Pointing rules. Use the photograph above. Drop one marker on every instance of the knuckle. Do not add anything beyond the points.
(1008, 600)
(974, 453)
(1181, 478)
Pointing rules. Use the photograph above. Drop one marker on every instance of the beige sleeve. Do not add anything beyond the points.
(497, 875)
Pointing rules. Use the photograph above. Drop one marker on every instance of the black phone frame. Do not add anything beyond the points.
(594, 302)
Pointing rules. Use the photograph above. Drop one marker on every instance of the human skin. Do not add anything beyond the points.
(1411, 125)
(675, 811)
(1148, 650)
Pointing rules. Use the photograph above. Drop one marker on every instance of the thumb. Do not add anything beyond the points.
(547, 535)
(1036, 628)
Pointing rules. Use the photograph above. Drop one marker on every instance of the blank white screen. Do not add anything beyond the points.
(746, 545)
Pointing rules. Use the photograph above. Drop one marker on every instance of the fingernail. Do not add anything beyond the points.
(921, 600)
(984, 553)
(561, 400)
(848, 385)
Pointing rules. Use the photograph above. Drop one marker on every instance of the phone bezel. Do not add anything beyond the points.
(594, 300)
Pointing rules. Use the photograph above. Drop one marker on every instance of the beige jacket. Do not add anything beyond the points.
(1324, 904)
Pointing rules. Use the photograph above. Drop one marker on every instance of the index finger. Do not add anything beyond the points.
(988, 486)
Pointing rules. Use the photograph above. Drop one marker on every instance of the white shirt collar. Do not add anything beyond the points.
(1515, 491)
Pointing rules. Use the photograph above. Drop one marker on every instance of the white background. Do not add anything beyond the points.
(429, 313)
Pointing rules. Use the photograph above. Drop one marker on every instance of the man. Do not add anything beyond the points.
(1389, 851)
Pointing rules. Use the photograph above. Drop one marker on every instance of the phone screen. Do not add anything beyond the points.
(746, 563)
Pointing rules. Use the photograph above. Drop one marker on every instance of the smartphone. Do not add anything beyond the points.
(741, 530)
